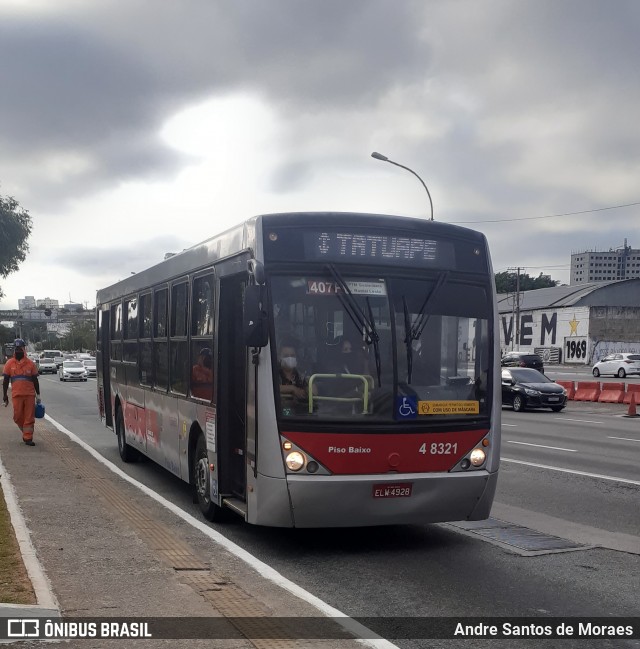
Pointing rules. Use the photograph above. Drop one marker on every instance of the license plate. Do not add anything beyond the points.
(401, 490)
(553, 399)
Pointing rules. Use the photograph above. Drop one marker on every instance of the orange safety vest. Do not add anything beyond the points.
(21, 373)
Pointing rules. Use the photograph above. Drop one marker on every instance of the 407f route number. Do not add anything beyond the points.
(438, 448)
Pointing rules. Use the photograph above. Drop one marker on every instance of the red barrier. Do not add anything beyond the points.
(570, 387)
(587, 391)
(612, 393)
(632, 412)
(632, 388)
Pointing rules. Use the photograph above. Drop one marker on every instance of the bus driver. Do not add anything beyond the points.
(293, 385)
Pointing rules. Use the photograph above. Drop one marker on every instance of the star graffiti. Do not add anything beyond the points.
(574, 325)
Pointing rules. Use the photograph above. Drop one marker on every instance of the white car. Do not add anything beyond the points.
(72, 371)
(618, 365)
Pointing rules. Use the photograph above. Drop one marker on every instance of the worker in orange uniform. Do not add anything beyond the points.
(202, 376)
(22, 373)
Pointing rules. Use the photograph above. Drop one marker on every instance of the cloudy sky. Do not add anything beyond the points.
(131, 129)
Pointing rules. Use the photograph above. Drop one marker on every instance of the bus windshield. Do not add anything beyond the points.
(380, 348)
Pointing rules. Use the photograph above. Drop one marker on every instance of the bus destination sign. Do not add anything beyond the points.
(378, 248)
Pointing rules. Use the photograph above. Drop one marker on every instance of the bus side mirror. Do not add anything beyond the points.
(256, 332)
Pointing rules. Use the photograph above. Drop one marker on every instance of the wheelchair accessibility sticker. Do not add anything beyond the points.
(448, 407)
(406, 407)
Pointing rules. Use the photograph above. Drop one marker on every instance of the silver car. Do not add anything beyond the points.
(72, 371)
(89, 365)
(618, 365)
(47, 366)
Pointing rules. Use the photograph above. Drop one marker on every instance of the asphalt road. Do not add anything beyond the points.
(583, 441)
(583, 373)
(441, 570)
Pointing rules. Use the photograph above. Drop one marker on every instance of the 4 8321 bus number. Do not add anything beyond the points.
(439, 448)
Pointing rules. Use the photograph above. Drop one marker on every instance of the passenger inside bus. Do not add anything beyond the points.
(202, 376)
(352, 357)
(338, 393)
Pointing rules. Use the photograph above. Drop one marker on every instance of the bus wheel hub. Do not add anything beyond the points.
(202, 477)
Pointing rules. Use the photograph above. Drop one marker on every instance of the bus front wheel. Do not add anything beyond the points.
(202, 482)
(127, 454)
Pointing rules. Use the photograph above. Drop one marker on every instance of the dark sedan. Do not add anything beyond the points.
(522, 359)
(526, 388)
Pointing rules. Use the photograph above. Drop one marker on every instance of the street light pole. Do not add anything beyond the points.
(379, 156)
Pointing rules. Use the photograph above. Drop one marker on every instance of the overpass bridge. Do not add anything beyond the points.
(46, 315)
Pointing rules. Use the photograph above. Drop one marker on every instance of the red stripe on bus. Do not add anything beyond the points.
(361, 453)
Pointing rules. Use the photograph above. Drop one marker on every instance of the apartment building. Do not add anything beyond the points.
(605, 266)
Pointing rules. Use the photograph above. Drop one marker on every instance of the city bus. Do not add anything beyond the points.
(8, 349)
(225, 364)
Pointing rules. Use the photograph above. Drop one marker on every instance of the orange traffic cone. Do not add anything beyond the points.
(632, 407)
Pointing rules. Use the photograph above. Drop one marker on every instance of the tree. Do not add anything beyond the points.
(15, 228)
(6, 336)
(81, 335)
(506, 282)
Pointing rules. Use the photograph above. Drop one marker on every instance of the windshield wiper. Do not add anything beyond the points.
(407, 339)
(423, 317)
(375, 339)
(357, 315)
(414, 331)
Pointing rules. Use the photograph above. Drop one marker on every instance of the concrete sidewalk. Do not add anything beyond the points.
(106, 549)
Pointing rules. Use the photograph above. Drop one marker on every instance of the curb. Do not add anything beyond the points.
(47, 604)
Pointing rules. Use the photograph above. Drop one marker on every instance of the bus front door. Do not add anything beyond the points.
(232, 388)
(102, 360)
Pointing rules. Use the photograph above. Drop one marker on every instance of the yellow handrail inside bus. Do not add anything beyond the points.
(366, 382)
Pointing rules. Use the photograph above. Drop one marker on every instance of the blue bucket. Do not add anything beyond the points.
(39, 410)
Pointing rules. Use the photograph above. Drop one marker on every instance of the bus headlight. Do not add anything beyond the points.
(295, 461)
(477, 457)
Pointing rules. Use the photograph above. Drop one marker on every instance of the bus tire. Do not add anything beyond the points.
(201, 482)
(127, 454)
(518, 403)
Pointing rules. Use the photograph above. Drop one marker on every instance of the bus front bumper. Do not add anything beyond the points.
(349, 501)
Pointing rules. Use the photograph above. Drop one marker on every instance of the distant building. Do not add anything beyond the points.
(572, 324)
(29, 302)
(73, 306)
(599, 266)
(48, 303)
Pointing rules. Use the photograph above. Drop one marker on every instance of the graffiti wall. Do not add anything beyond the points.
(573, 335)
(602, 348)
(557, 333)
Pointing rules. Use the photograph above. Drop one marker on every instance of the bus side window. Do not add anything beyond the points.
(160, 345)
(146, 346)
(178, 347)
(202, 324)
(116, 332)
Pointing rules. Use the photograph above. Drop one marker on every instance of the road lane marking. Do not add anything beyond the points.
(627, 439)
(583, 421)
(259, 566)
(513, 425)
(555, 448)
(564, 470)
